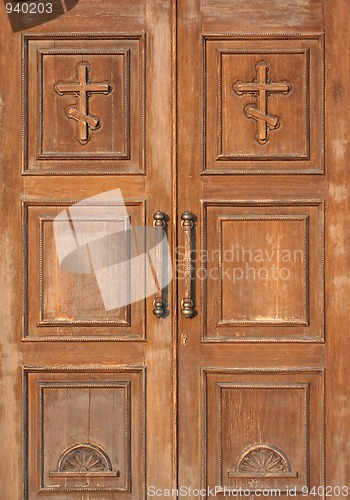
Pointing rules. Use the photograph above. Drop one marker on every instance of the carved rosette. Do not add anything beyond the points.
(84, 459)
(263, 461)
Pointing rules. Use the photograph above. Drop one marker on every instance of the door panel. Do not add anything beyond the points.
(113, 67)
(249, 432)
(63, 304)
(292, 67)
(86, 432)
(268, 256)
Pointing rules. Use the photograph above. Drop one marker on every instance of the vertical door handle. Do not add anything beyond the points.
(159, 302)
(187, 305)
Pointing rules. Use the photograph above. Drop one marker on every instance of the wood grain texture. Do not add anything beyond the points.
(63, 305)
(79, 430)
(259, 376)
(255, 249)
(275, 23)
(253, 411)
(11, 355)
(257, 16)
(286, 111)
(188, 160)
(337, 17)
(114, 123)
(152, 192)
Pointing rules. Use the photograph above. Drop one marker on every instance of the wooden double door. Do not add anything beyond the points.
(228, 120)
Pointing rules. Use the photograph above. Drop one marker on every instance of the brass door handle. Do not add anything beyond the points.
(159, 302)
(187, 305)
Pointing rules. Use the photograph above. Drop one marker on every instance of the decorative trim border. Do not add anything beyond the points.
(232, 36)
(89, 36)
(266, 203)
(26, 336)
(205, 370)
(26, 370)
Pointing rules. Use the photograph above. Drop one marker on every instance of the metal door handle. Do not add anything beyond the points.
(187, 305)
(159, 302)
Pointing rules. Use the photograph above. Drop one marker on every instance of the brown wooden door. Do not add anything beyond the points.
(263, 149)
(96, 377)
(230, 118)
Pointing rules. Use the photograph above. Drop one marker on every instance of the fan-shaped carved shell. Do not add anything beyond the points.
(263, 460)
(84, 458)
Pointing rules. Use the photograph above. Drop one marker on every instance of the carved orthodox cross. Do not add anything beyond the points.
(83, 89)
(262, 87)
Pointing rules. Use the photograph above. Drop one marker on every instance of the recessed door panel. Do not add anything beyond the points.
(262, 270)
(79, 272)
(263, 104)
(84, 104)
(85, 431)
(250, 443)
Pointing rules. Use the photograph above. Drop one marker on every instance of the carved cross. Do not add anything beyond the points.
(82, 90)
(261, 87)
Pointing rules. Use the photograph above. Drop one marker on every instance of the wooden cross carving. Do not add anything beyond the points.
(82, 90)
(262, 87)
